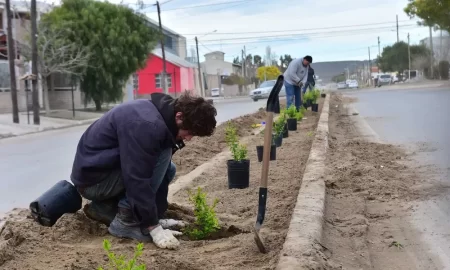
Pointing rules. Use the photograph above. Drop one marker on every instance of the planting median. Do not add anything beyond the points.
(75, 242)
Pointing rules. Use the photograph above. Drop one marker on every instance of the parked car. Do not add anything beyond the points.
(263, 91)
(341, 85)
(215, 92)
(353, 84)
(384, 79)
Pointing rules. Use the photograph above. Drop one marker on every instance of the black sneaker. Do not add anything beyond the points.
(101, 212)
(122, 229)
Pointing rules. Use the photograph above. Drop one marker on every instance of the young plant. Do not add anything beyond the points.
(315, 96)
(299, 115)
(120, 262)
(302, 110)
(291, 112)
(279, 125)
(206, 221)
(308, 96)
(239, 151)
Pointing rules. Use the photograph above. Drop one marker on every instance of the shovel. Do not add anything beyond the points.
(272, 107)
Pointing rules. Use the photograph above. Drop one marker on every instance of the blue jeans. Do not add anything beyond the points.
(307, 84)
(293, 94)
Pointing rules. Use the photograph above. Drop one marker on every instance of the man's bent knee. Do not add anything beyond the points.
(171, 171)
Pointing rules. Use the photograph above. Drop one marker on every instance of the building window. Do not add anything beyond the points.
(158, 80)
(168, 42)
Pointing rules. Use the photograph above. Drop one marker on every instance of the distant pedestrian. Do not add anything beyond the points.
(295, 76)
(310, 82)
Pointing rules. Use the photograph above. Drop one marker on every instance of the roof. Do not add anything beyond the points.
(163, 27)
(215, 52)
(174, 59)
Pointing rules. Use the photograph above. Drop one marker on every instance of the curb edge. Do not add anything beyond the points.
(306, 223)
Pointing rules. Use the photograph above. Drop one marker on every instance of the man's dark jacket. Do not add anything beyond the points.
(129, 137)
(311, 76)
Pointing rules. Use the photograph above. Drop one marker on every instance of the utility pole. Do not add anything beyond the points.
(370, 68)
(34, 64)
(379, 52)
(398, 38)
(12, 66)
(409, 61)
(243, 63)
(164, 81)
(202, 92)
(432, 54)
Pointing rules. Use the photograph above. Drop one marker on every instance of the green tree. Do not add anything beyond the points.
(257, 60)
(432, 12)
(236, 60)
(395, 57)
(285, 61)
(339, 78)
(118, 39)
(267, 73)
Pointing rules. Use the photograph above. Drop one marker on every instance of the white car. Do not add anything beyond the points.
(353, 84)
(263, 91)
(215, 92)
(341, 85)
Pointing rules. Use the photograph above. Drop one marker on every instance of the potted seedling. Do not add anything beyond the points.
(285, 127)
(307, 98)
(260, 150)
(239, 166)
(291, 114)
(299, 116)
(278, 130)
(314, 97)
(323, 94)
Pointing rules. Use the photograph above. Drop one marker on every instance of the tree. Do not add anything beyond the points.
(236, 60)
(285, 61)
(395, 57)
(432, 12)
(55, 55)
(118, 39)
(267, 73)
(257, 61)
(339, 78)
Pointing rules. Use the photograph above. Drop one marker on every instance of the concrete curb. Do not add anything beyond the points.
(44, 129)
(306, 223)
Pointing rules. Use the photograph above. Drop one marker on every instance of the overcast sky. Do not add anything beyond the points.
(329, 30)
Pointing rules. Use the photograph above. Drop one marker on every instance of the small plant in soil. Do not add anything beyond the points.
(309, 96)
(315, 96)
(310, 134)
(279, 125)
(238, 150)
(299, 115)
(206, 221)
(120, 262)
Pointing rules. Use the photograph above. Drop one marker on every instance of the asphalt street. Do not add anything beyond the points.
(31, 164)
(419, 121)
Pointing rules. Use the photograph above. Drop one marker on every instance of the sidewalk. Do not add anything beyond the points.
(59, 119)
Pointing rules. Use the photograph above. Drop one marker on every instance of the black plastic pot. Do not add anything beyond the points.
(315, 107)
(260, 150)
(323, 95)
(238, 173)
(285, 131)
(278, 140)
(60, 199)
(292, 124)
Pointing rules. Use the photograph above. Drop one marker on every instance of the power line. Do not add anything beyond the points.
(308, 34)
(195, 6)
(296, 30)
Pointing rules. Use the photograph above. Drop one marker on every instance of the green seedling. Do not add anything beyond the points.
(120, 262)
(206, 221)
(279, 125)
(302, 110)
(310, 134)
(396, 244)
(291, 112)
(299, 115)
(239, 151)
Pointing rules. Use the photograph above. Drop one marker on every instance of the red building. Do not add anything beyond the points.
(181, 74)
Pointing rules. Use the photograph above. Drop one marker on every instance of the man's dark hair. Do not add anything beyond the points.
(308, 58)
(199, 115)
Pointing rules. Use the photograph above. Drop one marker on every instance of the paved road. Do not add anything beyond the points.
(420, 121)
(31, 164)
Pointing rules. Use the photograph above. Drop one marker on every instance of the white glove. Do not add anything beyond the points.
(164, 238)
(171, 223)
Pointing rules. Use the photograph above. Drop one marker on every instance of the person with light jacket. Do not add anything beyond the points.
(123, 163)
(295, 76)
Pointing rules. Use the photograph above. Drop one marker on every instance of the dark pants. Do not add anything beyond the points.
(110, 193)
(308, 85)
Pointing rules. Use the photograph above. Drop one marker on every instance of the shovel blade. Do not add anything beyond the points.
(259, 242)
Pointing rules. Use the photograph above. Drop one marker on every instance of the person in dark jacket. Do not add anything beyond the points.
(123, 163)
(310, 82)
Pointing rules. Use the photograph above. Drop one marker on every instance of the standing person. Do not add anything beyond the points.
(123, 163)
(295, 77)
(310, 82)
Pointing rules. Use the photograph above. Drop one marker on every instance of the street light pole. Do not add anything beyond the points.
(12, 66)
